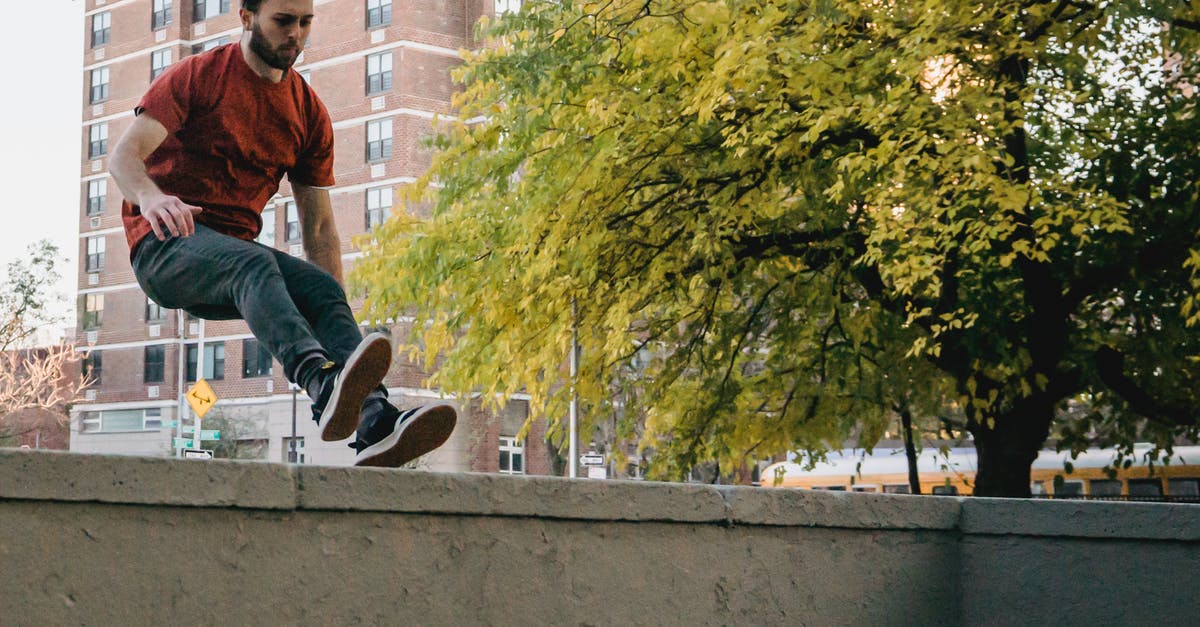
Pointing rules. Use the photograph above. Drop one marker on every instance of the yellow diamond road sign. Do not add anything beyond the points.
(201, 397)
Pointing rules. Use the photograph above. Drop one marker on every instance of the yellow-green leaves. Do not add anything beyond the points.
(774, 218)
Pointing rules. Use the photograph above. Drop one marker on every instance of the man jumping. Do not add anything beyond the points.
(210, 141)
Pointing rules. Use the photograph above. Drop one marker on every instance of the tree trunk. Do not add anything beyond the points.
(910, 450)
(1006, 452)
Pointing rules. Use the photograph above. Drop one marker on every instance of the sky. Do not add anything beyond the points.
(41, 112)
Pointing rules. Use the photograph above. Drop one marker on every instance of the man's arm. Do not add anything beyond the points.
(321, 243)
(128, 168)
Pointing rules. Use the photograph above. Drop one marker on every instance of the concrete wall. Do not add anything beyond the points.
(120, 540)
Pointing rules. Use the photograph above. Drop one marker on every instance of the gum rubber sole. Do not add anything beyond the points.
(362, 373)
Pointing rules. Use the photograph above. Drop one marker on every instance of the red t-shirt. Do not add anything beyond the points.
(231, 137)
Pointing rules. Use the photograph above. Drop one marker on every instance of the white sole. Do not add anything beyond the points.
(422, 432)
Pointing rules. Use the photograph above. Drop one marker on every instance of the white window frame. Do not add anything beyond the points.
(291, 227)
(512, 446)
(266, 236)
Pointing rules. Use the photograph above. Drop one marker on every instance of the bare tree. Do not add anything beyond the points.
(33, 378)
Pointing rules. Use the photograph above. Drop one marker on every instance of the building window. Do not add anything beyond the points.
(266, 236)
(92, 367)
(100, 84)
(512, 456)
(152, 419)
(89, 421)
(214, 362)
(97, 193)
(379, 206)
(160, 60)
(101, 28)
(121, 420)
(379, 13)
(98, 145)
(95, 254)
(292, 228)
(204, 9)
(155, 312)
(379, 140)
(162, 14)
(256, 360)
(290, 456)
(379, 72)
(507, 6)
(209, 45)
(155, 364)
(93, 311)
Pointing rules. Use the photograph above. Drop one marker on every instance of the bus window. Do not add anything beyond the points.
(945, 490)
(1104, 488)
(896, 488)
(1037, 488)
(864, 488)
(1184, 487)
(1068, 490)
(832, 488)
(1145, 488)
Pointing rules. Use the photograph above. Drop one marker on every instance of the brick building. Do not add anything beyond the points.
(382, 69)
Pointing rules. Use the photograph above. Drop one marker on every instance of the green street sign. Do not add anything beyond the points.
(205, 434)
(182, 442)
(171, 424)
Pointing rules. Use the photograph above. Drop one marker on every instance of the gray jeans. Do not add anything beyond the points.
(295, 309)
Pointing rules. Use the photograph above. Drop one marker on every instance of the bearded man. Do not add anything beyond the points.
(210, 142)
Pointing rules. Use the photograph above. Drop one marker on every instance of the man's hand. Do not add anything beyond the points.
(169, 214)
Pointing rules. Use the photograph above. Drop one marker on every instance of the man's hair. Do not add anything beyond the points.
(251, 5)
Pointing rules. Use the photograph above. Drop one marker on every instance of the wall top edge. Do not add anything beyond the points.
(73, 477)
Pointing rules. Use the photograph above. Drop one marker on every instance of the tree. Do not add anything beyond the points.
(801, 213)
(31, 378)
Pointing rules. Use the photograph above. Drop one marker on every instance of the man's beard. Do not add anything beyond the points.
(280, 60)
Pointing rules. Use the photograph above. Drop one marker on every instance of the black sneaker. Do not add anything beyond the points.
(390, 438)
(343, 390)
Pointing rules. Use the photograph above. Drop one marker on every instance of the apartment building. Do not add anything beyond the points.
(382, 69)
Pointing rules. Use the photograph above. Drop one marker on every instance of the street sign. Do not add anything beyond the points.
(193, 453)
(182, 443)
(591, 459)
(597, 472)
(170, 424)
(205, 434)
(201, 397)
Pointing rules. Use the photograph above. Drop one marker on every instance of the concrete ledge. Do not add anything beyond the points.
(1081, 519)
(382, 490)
(844, 510)
(59, 476)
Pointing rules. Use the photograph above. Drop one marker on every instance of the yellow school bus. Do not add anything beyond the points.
(953, 473)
